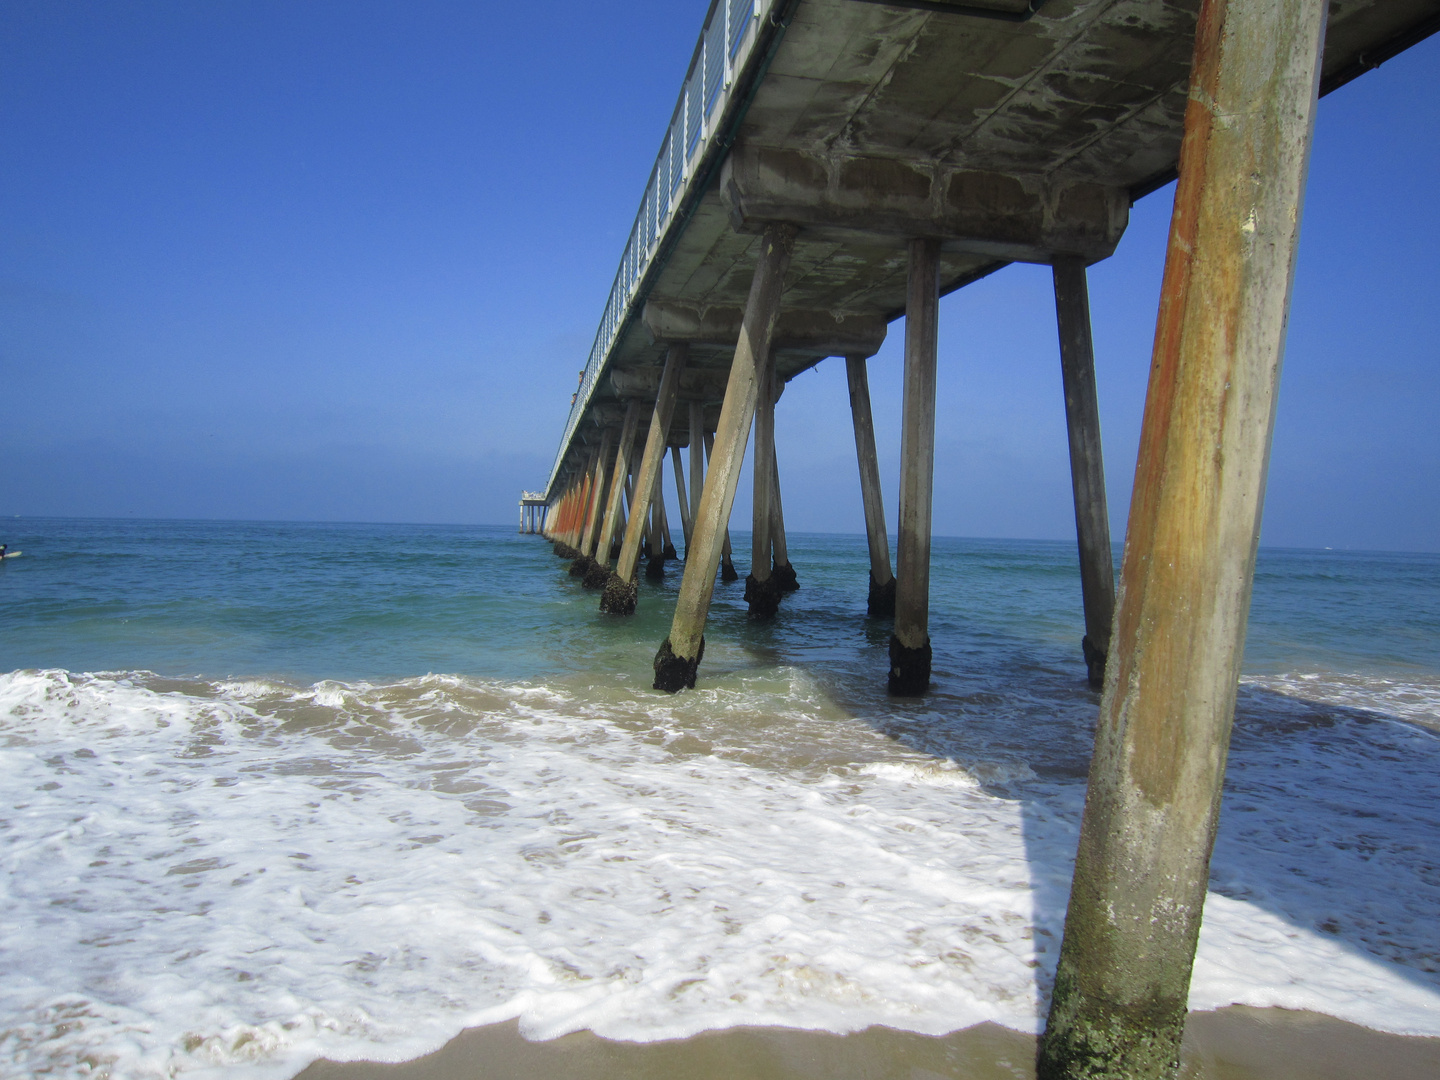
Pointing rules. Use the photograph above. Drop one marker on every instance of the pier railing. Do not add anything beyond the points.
(727, 41)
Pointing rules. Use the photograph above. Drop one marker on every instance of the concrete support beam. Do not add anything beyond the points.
(679, 655)
(562, 507)
(655, 562)
(727, 566)
(620, 591)
(579, 501)
(589, 525)
(632, 470)
(881, 602)
(592, 528)
(599, 573)
(836, 195)
(697, 464)
(910, 644)
(781, 572)
(1087, 465)
(680, 495)
(668, 551)
(572, 509)
(1118, 1008)
(761, 592)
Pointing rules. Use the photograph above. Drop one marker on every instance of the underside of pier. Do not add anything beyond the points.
(1009, 138)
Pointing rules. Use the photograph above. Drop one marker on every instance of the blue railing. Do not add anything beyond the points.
(728, 36)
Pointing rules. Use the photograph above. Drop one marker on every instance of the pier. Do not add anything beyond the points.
(832, 165)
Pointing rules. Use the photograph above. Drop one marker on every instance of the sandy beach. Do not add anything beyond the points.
(1237, 1043)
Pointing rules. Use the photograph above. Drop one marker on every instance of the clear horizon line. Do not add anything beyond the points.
(735, 531)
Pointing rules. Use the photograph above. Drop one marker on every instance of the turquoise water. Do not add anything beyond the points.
(275, 791)
(309, 601)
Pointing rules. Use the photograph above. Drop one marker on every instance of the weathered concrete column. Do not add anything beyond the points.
(910, 644)
(599, 571)
(881, 602)
(632, 468)
(582, 496)
(1118, 1008)
(680, 495)
(565, 518)
(727, 567)
(655, 565)
(589, 522)
(578, 496)
(697, 465)
(602, 474)
(577, 506)
(781, 572)
(557, 511)
(679, 655)
(762, 592)
(620, 590)
(668, 550)
(1087, 465)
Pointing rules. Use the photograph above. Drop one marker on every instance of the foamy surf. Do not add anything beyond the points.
(241, 876)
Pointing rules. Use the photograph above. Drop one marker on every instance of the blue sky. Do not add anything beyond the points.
(342, 261)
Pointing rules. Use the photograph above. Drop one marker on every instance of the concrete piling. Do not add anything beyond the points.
(781, 572)
(680, 496)
(622, 521)
(599, 571)
(1118, 1007)
(620, 591)
(602, 475)
(655, 563)
(565, 522)
(595, 481)
(697, 466)
(577, 507)
(630, 476)
(910, 643)
(880, 604)
(1087, 466)
(668, 550)
(762, 592)
(727, 566)
(679, 655)
(557, 512)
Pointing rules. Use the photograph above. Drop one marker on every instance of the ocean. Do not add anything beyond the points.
(274, 792)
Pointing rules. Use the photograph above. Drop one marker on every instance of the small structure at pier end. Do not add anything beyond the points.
(532, 511)
(832, 165)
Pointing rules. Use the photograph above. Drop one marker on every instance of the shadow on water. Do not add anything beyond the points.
(1331, 814)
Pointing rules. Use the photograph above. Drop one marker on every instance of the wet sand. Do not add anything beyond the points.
(1237, 1043)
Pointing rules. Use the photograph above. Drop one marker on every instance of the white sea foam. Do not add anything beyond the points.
(242, 876)
(1415, 697)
